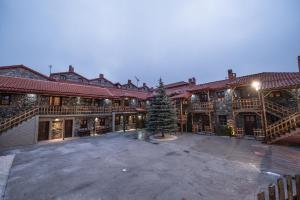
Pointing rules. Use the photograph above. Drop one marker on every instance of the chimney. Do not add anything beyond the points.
(192, 81)
(299, 63)
(129, 81)
(101, 75)
(231, 75)
(71, 68)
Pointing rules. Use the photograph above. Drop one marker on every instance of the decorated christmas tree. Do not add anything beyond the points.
(161, 115)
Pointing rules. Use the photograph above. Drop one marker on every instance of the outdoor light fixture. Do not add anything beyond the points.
(256, 85)
(140, 116)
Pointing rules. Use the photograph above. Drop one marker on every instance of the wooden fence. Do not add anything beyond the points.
(289, 192)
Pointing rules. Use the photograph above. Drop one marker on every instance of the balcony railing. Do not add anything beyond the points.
(78, 110)
(246, 104)
(202, 106)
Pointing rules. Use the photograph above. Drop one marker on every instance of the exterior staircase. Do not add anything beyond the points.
(285, 127)
(278, 110)
(18, 119)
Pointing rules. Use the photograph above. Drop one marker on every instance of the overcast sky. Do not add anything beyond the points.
(172, 39)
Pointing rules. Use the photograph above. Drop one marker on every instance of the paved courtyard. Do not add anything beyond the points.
(116, 166)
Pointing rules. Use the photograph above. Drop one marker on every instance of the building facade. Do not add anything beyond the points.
(264, 106)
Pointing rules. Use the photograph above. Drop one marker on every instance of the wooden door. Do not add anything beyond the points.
(43, 133)
(250, 124)
(68, 128)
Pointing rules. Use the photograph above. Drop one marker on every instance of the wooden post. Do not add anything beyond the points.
(297, 186)
(261, 196)
(264, 114)
(181, 117)
(297, 100)
(272, 195)
(192, 122)
(280, 185)
(289, 187)
(210, 118)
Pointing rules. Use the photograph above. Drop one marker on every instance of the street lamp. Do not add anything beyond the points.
(256, 85)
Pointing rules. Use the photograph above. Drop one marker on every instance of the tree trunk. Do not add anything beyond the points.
(162, 134)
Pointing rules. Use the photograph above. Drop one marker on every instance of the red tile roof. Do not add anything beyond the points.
(183, 95)
(16, 84)
(211, 85)
(176, 84)
(269, 80)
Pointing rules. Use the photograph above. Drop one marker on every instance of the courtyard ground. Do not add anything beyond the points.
(116, 166)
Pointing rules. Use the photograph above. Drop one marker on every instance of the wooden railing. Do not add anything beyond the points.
(203, 106)
(258, 133)
(282, 126)
(60, 110)
(239, 132)
(246, 104)
(15, 120)
(292, 189)
(182, 118)
(278, 110)
(76, 110)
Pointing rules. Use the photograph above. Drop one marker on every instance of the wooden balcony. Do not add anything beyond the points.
(80, 110)
(246, 104)
(203, 106)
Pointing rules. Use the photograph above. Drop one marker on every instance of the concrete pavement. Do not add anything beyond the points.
(115, 166)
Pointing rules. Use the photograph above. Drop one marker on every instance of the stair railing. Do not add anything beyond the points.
(282, 126)
(15, 120)
(278, 109)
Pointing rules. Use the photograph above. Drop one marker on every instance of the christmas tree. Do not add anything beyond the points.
(161, 115)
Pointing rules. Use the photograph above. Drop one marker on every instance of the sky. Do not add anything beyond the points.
(149, 39)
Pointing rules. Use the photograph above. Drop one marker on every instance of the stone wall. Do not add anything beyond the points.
(20, 72)
(69, 76)
(102, 82)
(19, 103)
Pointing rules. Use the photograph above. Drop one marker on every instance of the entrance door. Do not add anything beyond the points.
(204, 122)
(43, 131)
(68, 128)
(250, 124)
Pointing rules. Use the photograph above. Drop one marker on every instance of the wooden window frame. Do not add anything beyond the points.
(2, 99)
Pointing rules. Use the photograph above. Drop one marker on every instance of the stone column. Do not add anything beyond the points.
(113, 125)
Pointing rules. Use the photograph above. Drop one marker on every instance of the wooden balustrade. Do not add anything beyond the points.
(283, 126)
(203, 106)
(61, 110)
(278, 110)
(75, 110)
(15, 120)
(290, 192)
(246, 104)
(258, 133)
(239, 132)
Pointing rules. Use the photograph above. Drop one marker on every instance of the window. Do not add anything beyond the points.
(102, 121)
(223, 119)
(220, 94)
(275, 94)
(203, 97)
(5, 99)
(83, 123)
(55, 101)
(117, 120)
(63, 77)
